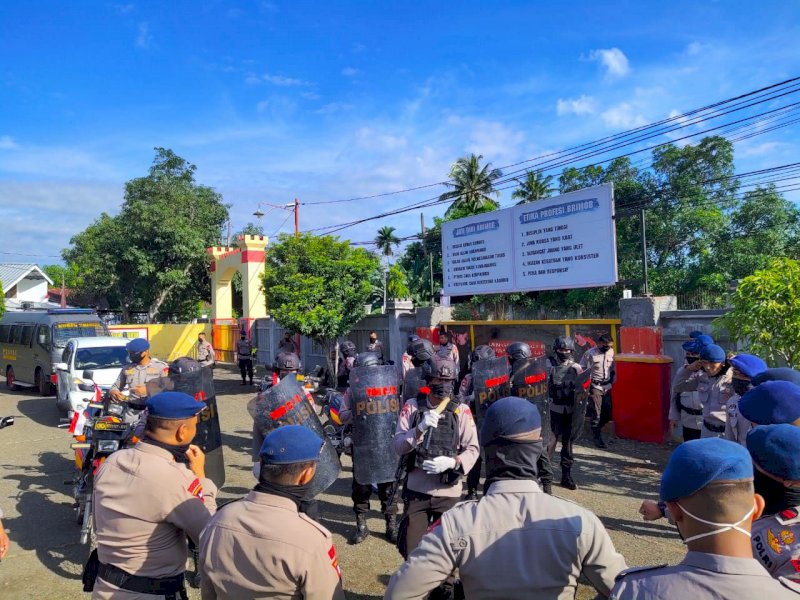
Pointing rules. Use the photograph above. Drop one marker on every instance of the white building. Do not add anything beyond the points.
(24, 283)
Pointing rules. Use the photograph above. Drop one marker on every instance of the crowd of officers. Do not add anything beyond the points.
(732, 489)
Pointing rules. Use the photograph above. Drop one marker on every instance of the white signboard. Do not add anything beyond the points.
(564, 242)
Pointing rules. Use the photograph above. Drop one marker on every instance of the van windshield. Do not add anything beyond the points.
(101, 358)
(64, 331)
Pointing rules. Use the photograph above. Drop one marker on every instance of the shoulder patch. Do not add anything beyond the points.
(791, 584)
(790, 516)
(334, 561)
(196, 489)
(463, 409)
(627, 572)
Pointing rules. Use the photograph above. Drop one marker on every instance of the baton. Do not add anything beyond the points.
(438, 410)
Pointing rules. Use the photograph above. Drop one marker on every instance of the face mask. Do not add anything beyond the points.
(563, 356)
(440, 390)
(199, 340)
(740, 386)
(178, 452)
(136, 357)
(723, 526)
(373, 340)
(295, 493)
(777, 496)
(692, 359)
(604, 348)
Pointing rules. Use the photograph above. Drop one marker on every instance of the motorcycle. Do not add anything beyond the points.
(340, 434)
(102, 429)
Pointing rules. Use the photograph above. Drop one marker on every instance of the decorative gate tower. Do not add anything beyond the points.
(247, 257)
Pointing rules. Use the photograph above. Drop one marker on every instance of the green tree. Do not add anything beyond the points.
(250, 229)
(386, 240)
(574, 178)
(318, 286)
(396, 284)
(472, 186)
(765, 313)
(535, 186)
(2, 301)
(152, 255)
(69, 273)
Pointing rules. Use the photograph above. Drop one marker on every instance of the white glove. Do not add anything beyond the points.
(257, 469)
(437, 465)
(431, 419)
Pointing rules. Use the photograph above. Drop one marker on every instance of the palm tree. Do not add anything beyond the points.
(472, 186)
(385, 240)
(534, 187)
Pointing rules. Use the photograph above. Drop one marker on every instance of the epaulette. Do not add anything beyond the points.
(790, 516)
(316, 525)
(626, 572)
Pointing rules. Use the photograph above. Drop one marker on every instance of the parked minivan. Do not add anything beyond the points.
(32, 341)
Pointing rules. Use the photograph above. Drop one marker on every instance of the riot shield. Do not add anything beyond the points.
(376, 406)
(286, 404)
(412, 383)
(583, 382)
(200, 384)
(529, 381)
(490, 382)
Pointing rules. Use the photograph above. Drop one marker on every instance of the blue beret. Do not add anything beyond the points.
(704, 340)
(174, 405)
(508, 418)
(290, 444)
(138, 345)
(775, 449)
(695, 334)
(748, 365)
(779, 374)
(713, 353)
(697, 463)
(771, 402)
(691, 346)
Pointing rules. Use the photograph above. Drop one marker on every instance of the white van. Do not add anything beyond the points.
(104, 356)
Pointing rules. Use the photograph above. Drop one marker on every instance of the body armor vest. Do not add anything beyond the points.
(441, 440)
(562, 383)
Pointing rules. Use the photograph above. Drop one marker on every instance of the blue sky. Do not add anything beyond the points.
(327, 100)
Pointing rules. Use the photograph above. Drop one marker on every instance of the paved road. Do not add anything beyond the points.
(45, 558)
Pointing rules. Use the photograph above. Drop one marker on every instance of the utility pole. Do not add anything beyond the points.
(644, 250)
(425, 250)
(228, 243)
(296, 218)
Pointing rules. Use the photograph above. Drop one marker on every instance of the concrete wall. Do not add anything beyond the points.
(31, 290)
(168, 341)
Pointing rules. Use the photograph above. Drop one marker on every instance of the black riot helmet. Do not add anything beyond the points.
(482, 352)
(563, 346)
(183, 366)
(420, 351)
(518, 351)
(348, 349)
(439, 368)
(287, 361)
(368, 359)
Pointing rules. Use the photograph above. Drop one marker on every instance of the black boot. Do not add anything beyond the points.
(547, 487)
(472, 494)
(391, 528)
(566, 480)
(361, 533)
(598, 437)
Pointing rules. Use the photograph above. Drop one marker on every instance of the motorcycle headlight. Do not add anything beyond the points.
(107, 445)
(116, 409)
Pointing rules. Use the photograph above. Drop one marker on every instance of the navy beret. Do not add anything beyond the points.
(174, 405)
(510, 418)
(138, 345)
(771, 402)
(779, 374)
(748, 365)
(775, 449)
(697, 463)
(712, 353)
(290, 444)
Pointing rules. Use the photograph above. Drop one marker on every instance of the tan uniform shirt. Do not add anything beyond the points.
(407, 438)
(205, 353)
(133, 375)
(736, 426)
(516, 542)
(688, 400)
(262, 547)
(601, 365)
(702, 576)
(144, 504)
(714, 393)
(776, 543)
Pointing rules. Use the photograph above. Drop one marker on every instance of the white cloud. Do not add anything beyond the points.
(585, 105)
(278, 80)
(7, 142)
(333, 107)
(613, 59)
(697, 48)
(277, 106)
(310, 95)
(144, 39)
(623, 115)
(495, 141)
(350, 72)
(374, 140)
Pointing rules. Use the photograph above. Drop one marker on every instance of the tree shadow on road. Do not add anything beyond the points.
(40, 410)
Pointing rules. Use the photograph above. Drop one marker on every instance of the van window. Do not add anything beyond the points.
(27, 335)
(16, 334)
(43, 336)
(4, 331)
(64, 331)
(101, 358)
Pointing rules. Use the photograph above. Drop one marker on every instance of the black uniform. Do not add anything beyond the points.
(244, 351)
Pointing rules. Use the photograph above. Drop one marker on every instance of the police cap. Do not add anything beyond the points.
(138, 345)
(512, 419)
(779, 374)
(697, 463)
(174, 406)
(748, 365)
(775, 449)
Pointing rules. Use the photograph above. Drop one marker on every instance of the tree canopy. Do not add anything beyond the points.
(534, 186)
(472, 185)
(386, 240)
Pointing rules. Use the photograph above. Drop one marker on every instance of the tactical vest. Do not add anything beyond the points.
(443, 438)
(562, 385)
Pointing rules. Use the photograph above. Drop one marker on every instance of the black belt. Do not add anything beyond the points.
(714, 428)
(171, 587)
(692, 411)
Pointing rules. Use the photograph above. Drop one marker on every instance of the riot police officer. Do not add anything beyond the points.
(437, 435)
(135, 374)
(566, 416)
(371, 404)
(447, 349)
(420, 351)
(244, 355)
(346, 362)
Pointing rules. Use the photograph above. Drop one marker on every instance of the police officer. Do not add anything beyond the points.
(447, 349)
(711, 379)
(361, 492)
(420, 351)
(244, 354)
(516, 542)
(708, 487)
(406, 364)
(147, 500)
(346, 362)
(466, 392)
(263, 546)
(776, 536)
(440, 447)
(600, 362)
(745, 367)
(561, 385)
(686, 408)
(287, 344)
(135, 375)
(205, 351)
(375, 345)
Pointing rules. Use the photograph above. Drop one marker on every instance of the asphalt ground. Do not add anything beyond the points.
(46, 558)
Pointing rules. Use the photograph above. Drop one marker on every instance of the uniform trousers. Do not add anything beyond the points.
(420, 511)
(690, 433)
(599, 408)
(246, 367)
(362, 493)
(561, 427)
